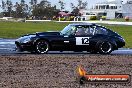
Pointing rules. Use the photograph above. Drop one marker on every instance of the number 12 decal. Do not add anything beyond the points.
(82, 40)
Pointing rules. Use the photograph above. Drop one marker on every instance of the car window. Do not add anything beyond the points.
(100, 30)
(84, 30)
(68, 30)
(89, 30)
(80, 31)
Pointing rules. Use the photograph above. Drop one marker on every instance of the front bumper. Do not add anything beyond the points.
(23, 46)
(121, 43)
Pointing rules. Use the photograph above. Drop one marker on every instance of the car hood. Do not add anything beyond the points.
(47, 33)
(22, 38)
(41, 34)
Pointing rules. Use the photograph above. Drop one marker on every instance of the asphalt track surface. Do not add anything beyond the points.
(7, 47)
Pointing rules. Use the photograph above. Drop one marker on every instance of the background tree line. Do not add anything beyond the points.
(39, 10)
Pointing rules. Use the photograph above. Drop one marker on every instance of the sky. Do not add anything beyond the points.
(67, 2)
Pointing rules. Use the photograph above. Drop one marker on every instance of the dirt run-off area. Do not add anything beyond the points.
(60, 70)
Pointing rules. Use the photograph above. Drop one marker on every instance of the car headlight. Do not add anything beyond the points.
(26, 40)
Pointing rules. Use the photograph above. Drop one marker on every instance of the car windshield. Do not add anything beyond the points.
(68, 30)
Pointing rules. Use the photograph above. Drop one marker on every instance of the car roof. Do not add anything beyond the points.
(75, 24)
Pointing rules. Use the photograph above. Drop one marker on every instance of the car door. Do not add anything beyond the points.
(76, 40)
(80, 40)
(67, 38)
(69, 42)
(83, 37)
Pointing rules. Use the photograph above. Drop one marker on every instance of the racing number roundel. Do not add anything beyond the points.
(82, 40)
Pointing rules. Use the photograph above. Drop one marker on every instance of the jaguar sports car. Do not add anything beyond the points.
(76, 37)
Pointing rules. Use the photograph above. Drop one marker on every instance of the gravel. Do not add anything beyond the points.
(60, 70)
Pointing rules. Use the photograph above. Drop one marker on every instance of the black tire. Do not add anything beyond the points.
(105, 48)
(42, 47)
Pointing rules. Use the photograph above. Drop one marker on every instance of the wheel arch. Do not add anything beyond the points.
(39, 39)
(114, 44)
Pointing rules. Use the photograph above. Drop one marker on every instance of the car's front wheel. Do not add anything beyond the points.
(42, 47)
(105, 48)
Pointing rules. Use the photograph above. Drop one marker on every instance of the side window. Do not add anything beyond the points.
(89, 30)
(100, 30)
(80, 31)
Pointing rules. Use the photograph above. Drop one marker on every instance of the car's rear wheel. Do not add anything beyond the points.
(42, 47)
(105, 48)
